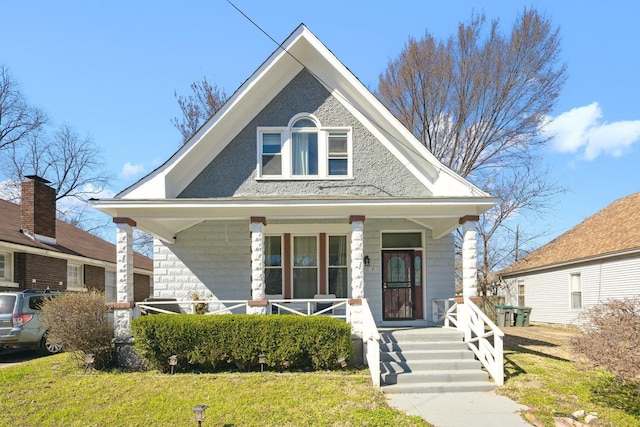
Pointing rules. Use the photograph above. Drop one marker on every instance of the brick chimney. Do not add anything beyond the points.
(38, 211)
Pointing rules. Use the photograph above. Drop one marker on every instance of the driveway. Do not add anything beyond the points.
(11, 356)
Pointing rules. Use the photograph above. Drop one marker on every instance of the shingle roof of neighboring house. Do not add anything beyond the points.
(613, 230)
(70, 240)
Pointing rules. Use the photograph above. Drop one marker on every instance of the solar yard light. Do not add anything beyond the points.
(262, 359)
(343, 362)
(89, 360)
(198, 413)
(173, 361)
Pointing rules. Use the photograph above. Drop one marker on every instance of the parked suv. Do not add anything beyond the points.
(21, 322)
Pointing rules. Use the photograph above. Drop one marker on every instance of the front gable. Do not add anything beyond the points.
(375, 170)
(265, 96)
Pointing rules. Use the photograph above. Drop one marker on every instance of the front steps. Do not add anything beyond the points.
(429, 360)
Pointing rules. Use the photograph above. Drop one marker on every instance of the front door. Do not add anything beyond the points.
(398, 285)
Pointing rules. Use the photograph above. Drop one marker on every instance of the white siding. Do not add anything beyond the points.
(548, 293)
(439, 264)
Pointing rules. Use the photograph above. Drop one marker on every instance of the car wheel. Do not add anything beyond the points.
(49, 346)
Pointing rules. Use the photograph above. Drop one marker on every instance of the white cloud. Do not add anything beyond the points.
(130, 170)
(581, 130)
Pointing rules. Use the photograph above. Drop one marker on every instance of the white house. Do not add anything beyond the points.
(303, 184)
(597, 260)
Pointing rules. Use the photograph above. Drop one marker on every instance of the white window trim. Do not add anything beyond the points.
(287, 147)
(6, 280)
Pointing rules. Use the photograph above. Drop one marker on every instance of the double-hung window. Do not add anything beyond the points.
(304, 150)
(110, 286)
(273, 265)
(5, 267)
(305, 266)
(74, 277)
(576, 291)
(338, 282)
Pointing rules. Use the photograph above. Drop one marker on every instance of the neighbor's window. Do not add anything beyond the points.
(521, 293)
(576, 291)
(305, 266)
(4, 266)
(338, 283)
(110, 286)
(273, 265)
(74, 277)
(304, 149)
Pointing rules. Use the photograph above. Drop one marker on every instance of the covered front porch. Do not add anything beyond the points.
(396, 253)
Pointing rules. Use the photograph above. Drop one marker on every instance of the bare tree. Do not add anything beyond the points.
(72, 163)
(198, 107)
(477, 101)
(18, 120)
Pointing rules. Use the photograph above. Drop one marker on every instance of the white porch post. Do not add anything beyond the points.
(469, 270)
(357, 272)
(123, 308)
(258, 295)
(469, 256)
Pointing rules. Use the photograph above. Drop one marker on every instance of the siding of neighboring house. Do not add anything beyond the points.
(548, 292)
(39, 272)
(376, 172)
(94, 277)
(214, 257)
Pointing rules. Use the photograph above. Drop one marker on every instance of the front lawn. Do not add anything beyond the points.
(53, 391)
(545, 375)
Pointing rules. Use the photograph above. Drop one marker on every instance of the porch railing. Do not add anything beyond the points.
(333, 307)
(371, 342)
(482, 336)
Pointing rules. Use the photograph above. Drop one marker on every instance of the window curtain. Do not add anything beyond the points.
(305, 153)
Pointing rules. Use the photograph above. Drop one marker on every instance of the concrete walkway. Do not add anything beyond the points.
(477, 409)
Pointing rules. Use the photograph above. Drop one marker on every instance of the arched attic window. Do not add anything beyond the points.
(304, 149)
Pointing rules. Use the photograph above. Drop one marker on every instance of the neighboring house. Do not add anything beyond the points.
(303, 184)
(37, 251)
(597, 260)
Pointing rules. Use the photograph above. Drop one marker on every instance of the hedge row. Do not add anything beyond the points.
(209, 343)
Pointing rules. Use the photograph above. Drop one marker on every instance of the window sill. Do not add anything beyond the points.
(77, 289)
(5, 284)
(304, 178)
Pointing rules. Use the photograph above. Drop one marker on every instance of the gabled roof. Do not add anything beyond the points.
(70, 240)
(299, 51)
(612, 231)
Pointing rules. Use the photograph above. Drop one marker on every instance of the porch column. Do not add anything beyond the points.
(469, 256)
(357, 256)
(357, 274)
(123, 308)
(257, 265)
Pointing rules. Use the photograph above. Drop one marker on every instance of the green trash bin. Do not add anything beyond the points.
(504, 315)
(522, 315)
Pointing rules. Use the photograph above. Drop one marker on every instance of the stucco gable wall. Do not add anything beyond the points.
(376, 171)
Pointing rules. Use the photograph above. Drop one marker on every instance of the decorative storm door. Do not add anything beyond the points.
(398, 285)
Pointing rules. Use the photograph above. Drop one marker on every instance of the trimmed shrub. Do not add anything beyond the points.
(209, 343)
(79, 320)
(611, 338)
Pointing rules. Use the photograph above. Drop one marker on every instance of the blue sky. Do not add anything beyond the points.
(110, 69)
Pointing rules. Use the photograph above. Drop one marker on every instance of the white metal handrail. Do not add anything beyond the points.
(371, 341)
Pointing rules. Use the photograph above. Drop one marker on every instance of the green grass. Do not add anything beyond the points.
(54, 391)
(551, 384)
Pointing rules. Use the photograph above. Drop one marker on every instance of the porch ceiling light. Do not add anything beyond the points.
(198, 413)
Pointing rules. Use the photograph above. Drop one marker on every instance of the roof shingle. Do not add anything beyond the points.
(612, 230)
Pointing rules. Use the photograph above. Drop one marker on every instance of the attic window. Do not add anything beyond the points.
(304, 150)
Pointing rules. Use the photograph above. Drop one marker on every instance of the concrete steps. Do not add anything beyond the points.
(429, 360)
